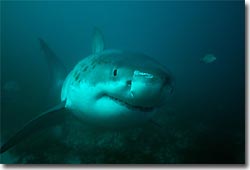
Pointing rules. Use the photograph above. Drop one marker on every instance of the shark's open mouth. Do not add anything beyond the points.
(131, 107)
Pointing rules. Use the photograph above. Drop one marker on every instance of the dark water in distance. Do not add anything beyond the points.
(205, 120)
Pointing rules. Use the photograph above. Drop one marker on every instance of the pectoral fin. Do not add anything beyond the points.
(47, 119)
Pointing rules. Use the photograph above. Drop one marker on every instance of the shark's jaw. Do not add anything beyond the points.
(108, 111)
(131, 107)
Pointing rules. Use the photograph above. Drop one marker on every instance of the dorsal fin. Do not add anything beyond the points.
(97, 41)
(57, 72)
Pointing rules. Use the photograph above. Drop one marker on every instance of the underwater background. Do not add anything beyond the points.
(204, 121)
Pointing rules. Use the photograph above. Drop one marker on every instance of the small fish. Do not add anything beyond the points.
(208, 58)
(10, 92)
(11, 86)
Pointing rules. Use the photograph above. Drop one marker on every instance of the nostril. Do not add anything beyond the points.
(129, 82)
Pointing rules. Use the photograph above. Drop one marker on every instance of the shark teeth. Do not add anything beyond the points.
(131, 107)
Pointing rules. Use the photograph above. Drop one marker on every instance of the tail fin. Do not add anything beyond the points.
(57, 71)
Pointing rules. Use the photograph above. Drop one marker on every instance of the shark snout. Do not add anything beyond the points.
(147, 89)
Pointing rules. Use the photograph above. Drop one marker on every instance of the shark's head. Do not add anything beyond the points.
(117, 89)
(113, 88)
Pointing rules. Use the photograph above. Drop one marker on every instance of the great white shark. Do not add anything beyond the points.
(110, 89)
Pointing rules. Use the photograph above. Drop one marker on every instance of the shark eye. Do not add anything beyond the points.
(115, 72)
